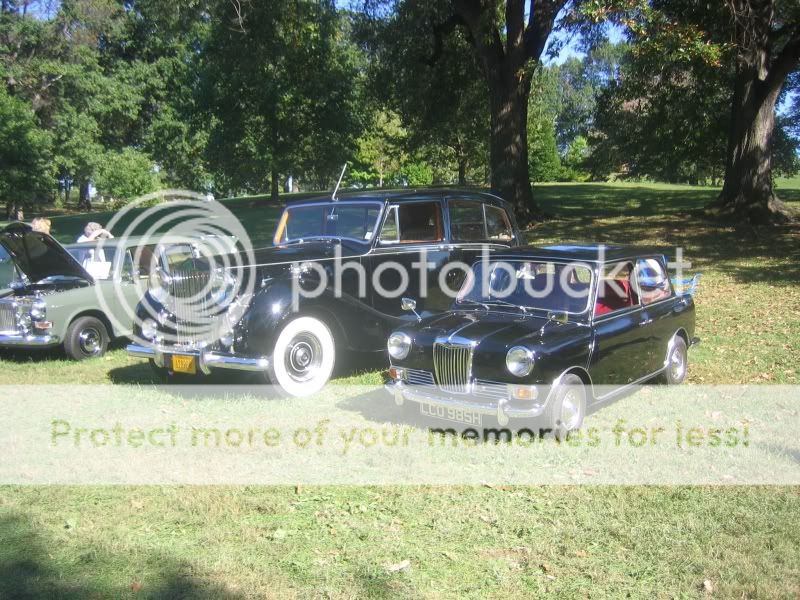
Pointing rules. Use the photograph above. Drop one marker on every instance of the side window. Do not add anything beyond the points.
(498, 225)
(653, 280)
(413, 222)
(614, 289)
(466, 221)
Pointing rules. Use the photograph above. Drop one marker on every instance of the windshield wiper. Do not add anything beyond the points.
(314, 238)
(500, 302)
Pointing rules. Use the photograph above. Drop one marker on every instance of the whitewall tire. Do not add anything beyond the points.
(304, 357)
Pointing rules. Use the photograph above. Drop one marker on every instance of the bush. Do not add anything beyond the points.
(126, 175)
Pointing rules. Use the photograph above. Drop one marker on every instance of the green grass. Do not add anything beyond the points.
(340, 542)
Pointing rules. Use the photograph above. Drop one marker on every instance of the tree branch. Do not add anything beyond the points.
(784, 63)
(540, 24)
(440, 30)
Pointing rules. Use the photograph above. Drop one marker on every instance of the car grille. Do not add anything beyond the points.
(453, 365)
(8, 317)
(190, 306)
(418, 377)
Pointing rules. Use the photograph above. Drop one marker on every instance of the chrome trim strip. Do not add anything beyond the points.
(205, 360)
(20, 339)
(401, 393)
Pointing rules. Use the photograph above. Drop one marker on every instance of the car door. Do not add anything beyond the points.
(620, 343)
(409, 254)
(659, 306)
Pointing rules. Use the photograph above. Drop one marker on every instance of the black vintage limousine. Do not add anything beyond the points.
(296, 349)
(544, 332)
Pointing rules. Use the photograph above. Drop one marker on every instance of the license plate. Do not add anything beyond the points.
(458, 415)
(183, 364)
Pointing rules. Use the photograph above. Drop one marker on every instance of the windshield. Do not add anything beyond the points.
(545, 286)
(356, 221)
(96, 260)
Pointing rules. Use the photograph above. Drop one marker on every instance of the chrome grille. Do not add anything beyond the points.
(453, 365)
(190, 305)
(491, 390)
(419, 377)
(8, 317)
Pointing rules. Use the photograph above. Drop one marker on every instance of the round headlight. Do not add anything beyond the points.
(399, 345)
(519, 361)
(149, 329)
(39, 310)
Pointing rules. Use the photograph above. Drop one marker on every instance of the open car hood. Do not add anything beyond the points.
(38, 256)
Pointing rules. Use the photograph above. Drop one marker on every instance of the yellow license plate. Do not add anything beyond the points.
(184, 364)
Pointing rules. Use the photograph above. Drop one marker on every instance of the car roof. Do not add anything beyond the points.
(591, 253)
(402, 195)
(134, 240)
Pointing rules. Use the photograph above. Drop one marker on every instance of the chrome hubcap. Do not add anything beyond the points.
(90, 341)
(303, 357)
(570, 410)
(677, 365)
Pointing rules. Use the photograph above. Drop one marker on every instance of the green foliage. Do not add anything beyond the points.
(25, 168)
(441, 101)
(281, 87)
(125, 175)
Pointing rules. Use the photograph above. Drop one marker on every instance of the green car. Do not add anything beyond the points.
(78, 296)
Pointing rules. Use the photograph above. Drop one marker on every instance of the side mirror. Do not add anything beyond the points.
(409, 304)
(558, 317)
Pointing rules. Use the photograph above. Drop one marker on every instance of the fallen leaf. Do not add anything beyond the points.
(136, 587)
(708, 587)
(401, 566)
(581, 553)
(279, 534)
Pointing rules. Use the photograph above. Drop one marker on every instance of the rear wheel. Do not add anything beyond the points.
(87, 337)
(677, 362)
(304, 357)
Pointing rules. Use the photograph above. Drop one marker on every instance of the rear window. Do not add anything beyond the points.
(471, 221)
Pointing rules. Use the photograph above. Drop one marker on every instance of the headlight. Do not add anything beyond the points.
(399, 345)
(39, 310)
(149, 329)
(226, 339)
(519, 361)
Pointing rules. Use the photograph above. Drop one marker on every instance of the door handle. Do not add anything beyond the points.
(646, 322)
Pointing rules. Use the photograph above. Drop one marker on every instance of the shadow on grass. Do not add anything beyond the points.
(29, 569)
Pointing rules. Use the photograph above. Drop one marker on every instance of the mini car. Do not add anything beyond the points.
(544, 333)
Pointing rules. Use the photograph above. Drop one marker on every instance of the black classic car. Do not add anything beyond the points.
(544, 333)
(350, 259)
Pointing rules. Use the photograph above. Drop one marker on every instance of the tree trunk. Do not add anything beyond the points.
(462, 171)
(747, 189)
(83, 196)
(274, 186)
(508, 145)
(761, 71)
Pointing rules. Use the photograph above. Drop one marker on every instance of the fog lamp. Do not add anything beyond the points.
(149, 329)
(397, 373)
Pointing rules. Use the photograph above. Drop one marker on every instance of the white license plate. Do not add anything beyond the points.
(458, 415)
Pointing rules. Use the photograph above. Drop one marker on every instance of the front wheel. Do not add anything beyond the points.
(304, 356)
(567, 407)
(87, 337)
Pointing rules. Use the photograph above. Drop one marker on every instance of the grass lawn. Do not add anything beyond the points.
(345, 542)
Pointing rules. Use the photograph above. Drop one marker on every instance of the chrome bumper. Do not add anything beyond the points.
(501, 408)
(205, 360)
(28, 340)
